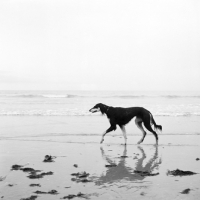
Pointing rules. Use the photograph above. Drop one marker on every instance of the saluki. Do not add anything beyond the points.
(122, 116)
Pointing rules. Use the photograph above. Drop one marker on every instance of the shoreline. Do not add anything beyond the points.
(38, 125)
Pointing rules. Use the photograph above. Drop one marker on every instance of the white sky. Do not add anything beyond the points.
(100, 44)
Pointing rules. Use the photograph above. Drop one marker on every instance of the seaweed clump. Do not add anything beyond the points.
(71, 196)
(30, 170)
(81, 177)
(24, 169)
(16, 167)
(34, 175)
(49, 158)
(179, 172)
(50, 192)
(186, 191)
(111, 165)
(35, 185)
(33, 197)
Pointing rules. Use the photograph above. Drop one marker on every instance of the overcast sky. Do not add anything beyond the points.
(100, 44)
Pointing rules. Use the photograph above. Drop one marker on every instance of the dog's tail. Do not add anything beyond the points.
(156, 127)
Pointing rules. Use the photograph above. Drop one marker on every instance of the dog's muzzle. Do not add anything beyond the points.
(93, 110)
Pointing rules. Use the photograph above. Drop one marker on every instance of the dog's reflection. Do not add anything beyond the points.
(126, 166)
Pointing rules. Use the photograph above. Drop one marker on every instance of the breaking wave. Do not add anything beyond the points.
(39, 96)
(155, 96)
(77, 103)
(73, 112)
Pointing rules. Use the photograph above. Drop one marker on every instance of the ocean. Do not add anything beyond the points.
(77, 103)
(58, 123)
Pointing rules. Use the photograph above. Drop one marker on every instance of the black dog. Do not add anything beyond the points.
(122, 116)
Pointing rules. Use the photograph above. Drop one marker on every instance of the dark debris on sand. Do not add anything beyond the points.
(40, 192)
(49, 158)
(81, 174)
(145, 173)
(84, 180)
(179, 172)
(80, 177)
(35, 185)
(71, 196)
(50, 192)
(16, 167)
(111, 165)
(29, 170)
(186, 191)
(37, 176)
(33, 197)
(25, 169)
(33, 174)
(11, 185)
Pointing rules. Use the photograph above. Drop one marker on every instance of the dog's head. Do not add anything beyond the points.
(99, 108)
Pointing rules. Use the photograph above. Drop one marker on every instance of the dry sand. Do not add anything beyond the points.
(79, 153)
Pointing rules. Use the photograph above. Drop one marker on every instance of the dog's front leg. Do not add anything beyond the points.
(124, 133)
(112, 128)
(102, 139)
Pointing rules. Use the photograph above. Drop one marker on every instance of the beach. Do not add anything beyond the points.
(77, 152)
(50, 149)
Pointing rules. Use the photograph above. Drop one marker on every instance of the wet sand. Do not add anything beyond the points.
(111, 168)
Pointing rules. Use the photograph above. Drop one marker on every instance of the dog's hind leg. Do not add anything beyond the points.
(138, 122)
(124, 133)
(148, 127)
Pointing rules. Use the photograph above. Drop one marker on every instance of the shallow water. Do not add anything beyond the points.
(77, 103)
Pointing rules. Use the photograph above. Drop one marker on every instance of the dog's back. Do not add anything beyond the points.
(123, 116)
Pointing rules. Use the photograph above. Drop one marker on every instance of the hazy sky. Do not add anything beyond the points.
(100, 44)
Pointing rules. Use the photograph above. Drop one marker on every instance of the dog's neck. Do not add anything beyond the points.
(107, 109)
(104, 109)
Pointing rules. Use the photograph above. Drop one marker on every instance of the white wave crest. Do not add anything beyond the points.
(77, 112)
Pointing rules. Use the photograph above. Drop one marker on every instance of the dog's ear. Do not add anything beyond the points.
(102, 108)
